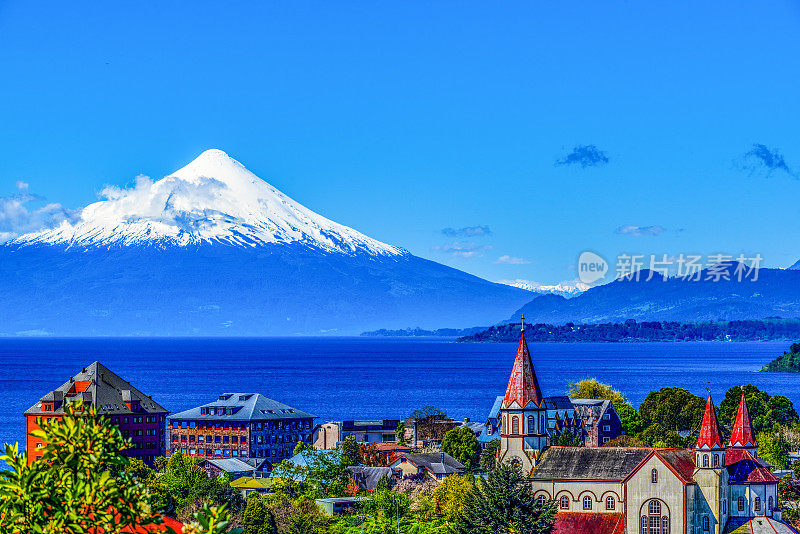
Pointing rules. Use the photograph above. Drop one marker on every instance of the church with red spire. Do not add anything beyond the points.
(714, 488)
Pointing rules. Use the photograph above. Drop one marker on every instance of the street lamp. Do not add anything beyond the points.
(396, 499)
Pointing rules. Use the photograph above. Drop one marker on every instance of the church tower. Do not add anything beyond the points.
(711, 504)
(523, 413)
(742, 436)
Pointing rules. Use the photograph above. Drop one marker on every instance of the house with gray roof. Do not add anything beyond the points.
(437, 465)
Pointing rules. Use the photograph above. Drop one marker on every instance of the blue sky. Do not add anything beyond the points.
(405, 119)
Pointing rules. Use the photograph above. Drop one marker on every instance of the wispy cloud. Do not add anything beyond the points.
(639, 231)
(467, 231)
(585, 156)
(462, 250)
(16, 218)
(761, 159)
(511, 260)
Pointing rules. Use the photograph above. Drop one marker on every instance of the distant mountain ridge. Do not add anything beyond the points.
(214, 250)
(565, 289)
(774, 293)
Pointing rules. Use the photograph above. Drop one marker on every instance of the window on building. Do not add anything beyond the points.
(654, 508)
(643, 525)
(606, 416)
(587, 503)
(610, 503)
(531, 424)
(724, 506)
(654, 477)
(606, 439)
(771, 504)
(705, 460)
(606, 428)
(564, 502)
(665, 525)
(540, 500)
(716, 460)
(757, 504)
(741, 504)
(515, 425)
(705, 524)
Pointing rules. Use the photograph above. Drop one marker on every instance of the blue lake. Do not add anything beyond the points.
(353, 378)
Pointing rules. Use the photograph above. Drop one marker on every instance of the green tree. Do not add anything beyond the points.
(773, 448)
(83, 483)
(462, 444)
(672, 408)
(632, 424)
(503, 503)
(568, 438)
(657, 435)
(258, 518)
(591, 388)
(400, 433)
(302, 447)
(489, 454)
(765, 410)
(451, 495)
(351, 453)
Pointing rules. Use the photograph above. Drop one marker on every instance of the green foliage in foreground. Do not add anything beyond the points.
(504, 503)
(462, 444)
(82, 482)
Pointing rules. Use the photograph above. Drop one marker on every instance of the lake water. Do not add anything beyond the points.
(363, 378)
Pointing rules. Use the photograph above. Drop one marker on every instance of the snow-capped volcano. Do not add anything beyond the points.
(213, 199)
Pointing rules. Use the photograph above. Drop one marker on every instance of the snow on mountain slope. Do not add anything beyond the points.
(565, 289)
(213, 199)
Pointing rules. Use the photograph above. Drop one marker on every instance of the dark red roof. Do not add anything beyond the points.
(162, 528)
(709, 430)
(523, 387)
(577, 523)
(742, 434)
(744, 468)
(681, 461)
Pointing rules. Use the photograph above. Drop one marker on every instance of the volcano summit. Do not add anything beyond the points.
(214, 250)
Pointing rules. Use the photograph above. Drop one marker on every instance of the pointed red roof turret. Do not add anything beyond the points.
(742, 434)
(709, 431)
(523, 387)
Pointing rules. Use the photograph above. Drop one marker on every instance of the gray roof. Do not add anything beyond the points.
(235, 465)
(106, 391)
(495, 411)
(245, 407)
(367, 477)
(558, 403)
(584, 408)
(583, 463)
(437, 462)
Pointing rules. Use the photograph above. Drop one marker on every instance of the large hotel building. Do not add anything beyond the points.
(237, 425)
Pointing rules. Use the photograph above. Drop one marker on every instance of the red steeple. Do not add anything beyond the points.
(523, 387)
(742, 434)
(709, 431)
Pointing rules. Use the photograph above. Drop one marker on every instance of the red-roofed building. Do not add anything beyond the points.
(523, 413)
(578, 523)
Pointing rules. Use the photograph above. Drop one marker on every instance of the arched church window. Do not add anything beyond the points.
(705, 523)
(540, 500)
(741, 504)
(654, 476)
(587, 503)
(757, 504)
(515, 425)
(643, 523)
(531, 424)
(654, 508)
(716, 460)
(724, 506)
(705, 460)
(665, 525)
(541, 424)
(564, 502)
(610, 503)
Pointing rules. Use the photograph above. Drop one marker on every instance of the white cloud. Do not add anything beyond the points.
(16, 218)
(462, 250)
(639, 231)
(512, 260)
